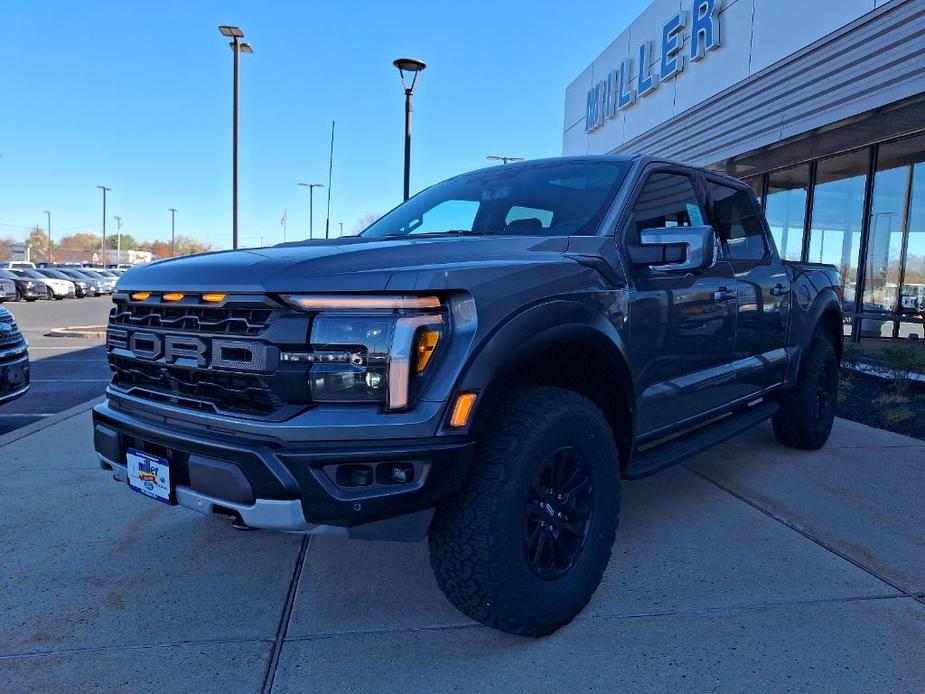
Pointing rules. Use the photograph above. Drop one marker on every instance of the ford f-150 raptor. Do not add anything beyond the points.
(481, 366)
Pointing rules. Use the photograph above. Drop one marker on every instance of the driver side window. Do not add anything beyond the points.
(667, 200)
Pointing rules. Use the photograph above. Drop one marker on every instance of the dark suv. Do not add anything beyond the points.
(482, 365)
(14, 359)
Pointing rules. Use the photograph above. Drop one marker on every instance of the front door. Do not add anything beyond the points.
(682, 323)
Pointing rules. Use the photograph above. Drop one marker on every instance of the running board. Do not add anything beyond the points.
(652, 460)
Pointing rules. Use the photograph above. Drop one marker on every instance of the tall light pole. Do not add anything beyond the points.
(103, 249)
(173, 231)
(311, 206)
(237, 47)
(412, 66)
(49, 234)
(118, 240)
(341, 228)
(496, 157)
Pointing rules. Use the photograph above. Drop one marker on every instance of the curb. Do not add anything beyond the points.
(89, 331)
(57, 418)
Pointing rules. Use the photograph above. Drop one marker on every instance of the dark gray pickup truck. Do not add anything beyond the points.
(481, 366)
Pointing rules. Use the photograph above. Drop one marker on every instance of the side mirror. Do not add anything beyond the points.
(678, 249)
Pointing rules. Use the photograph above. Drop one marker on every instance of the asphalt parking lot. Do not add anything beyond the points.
(66, 371)
(752, 568)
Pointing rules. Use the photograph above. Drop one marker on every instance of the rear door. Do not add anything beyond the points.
(762, 287)
(682, 323)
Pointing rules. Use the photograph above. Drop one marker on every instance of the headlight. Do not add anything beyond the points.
(33, 285)
(369, 348)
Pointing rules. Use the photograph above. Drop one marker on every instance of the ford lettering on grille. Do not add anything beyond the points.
(192, 350)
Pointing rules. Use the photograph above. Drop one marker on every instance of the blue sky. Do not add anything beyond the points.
(137, 96)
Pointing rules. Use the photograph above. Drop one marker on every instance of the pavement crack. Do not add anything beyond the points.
(795, 528)
(286, 615)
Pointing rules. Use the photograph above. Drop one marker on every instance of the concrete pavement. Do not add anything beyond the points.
(752, 568)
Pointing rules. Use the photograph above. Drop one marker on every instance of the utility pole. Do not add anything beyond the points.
(49, 234)
(103, 249)
(311, 206)
(118, 240)
(173, 232)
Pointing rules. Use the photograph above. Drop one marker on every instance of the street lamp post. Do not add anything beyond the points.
(173, 231)
(311, 206)
(237, 47)
(414, 67)
(103, 249)
(47, 212)
(504, 159)
(341, 228)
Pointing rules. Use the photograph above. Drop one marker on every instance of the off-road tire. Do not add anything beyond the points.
(479, 540)
(807, 411)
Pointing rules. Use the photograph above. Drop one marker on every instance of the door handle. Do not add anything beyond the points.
(723, 294)
(779, 290)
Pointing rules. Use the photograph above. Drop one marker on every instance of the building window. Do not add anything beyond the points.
(785, 209)
(895, 264)
(837, 217)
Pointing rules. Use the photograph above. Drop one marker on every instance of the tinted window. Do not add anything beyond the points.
(736, 221)
(546, 199)
(666, 200)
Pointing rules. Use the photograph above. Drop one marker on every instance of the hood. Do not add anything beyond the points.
(344, 264)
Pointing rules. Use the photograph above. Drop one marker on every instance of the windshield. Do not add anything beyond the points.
(565, 198)
(7, 275)
(31, 273)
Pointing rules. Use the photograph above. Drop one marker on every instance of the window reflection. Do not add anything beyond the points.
(786, 209)
(837, 216)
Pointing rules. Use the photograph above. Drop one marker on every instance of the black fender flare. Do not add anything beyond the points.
(535, 329)
(826, 302)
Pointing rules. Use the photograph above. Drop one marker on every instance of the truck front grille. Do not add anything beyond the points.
(12, 336)
(206, 391)
(205, 319)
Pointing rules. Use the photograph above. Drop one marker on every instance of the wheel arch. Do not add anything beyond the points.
(563, 343)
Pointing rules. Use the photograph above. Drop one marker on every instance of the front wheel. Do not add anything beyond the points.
(807, 411)
(524, 545)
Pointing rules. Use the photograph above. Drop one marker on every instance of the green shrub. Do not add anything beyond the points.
(902, 363)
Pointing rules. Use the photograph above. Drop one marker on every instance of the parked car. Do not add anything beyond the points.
(7, 290)
(56, 288)
(17, 265)
(482, 365)
(14, 359)
(26, 289)
(89, 286)
(106, 284)
(79, 285)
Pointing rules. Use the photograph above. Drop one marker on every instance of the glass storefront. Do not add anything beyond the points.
(816, 212)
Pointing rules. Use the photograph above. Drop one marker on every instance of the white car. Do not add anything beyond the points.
(17, 265)
(57, 289)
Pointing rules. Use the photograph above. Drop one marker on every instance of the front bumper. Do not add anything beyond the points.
(14, 373)
(299, 487)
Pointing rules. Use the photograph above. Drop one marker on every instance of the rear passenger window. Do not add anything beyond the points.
(736, 221)
(666, 201)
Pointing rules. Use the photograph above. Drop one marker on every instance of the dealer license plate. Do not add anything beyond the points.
(149, 475)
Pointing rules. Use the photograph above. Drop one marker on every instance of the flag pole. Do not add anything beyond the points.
(327, 222)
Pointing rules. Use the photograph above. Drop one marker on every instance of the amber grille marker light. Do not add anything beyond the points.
(425, 344)
(173, 296)
(213, 298)
(462, 408)
(141, 296)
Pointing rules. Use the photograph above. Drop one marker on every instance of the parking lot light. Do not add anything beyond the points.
(414, 67)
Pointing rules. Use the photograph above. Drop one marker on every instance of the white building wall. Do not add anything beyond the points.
(755, 34)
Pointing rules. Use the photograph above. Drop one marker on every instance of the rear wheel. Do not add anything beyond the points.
(807, 411)
(523, 547)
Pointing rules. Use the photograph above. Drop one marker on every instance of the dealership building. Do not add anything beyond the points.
(818, 104)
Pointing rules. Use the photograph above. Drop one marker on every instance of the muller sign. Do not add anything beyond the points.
(610, 96)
